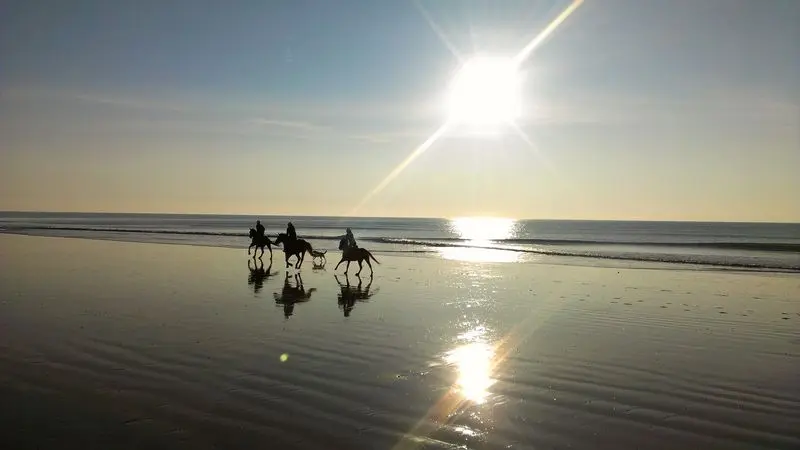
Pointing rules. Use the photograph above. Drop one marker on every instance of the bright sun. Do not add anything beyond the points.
(485, 91)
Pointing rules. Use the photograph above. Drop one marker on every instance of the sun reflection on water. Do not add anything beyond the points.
(474, 254)
(484, 229)
(479, 232)
(474, 361)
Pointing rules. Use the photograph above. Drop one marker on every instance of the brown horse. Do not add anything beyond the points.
(291, 248)
(357, 254)
(259, 242)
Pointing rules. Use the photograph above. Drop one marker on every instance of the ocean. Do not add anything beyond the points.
(689, 245)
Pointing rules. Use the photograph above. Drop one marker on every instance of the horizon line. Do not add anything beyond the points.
(395, 217)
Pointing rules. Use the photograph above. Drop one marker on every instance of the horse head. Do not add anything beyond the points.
(252, 233)
(282, 237)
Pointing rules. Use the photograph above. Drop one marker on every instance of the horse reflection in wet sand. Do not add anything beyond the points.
(259, 242)
(296, 248)
(291, 295)
(349, 295)
(258, 274)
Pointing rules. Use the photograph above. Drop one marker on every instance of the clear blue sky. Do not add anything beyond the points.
(637, 109)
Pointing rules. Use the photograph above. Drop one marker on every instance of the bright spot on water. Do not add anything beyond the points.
(284, 357)
(479, 232)
(474, 363)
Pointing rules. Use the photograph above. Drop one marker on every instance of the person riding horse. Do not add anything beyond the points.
(290, 232)
(351, 240)
(348, 241)
(351, 252)
(259, 228)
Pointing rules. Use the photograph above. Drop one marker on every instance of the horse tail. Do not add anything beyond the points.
(370, 255)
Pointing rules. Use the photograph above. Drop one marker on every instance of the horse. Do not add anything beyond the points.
(291, 248)
(259, 242)
(357, 254)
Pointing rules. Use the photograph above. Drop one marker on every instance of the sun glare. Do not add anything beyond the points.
(485, 91)
(484, 229)
(474, 362)
(478, 232)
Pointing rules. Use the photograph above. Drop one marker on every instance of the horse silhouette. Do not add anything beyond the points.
(357, 254)
(259, 242)
(297, 247)
(291, 295)
(258, 274)
(349, 295)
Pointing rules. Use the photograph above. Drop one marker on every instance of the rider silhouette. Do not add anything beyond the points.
(351, 240)
(290, 232)
(259, 228)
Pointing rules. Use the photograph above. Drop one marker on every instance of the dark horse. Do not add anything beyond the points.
(291, 248)
(259, 242)
(357, 254)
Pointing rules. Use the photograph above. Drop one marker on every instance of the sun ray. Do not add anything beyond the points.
(536, 151)
(400, 167)
(436, 29)
(526, 51)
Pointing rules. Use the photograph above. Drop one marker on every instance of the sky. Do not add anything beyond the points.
(631, 109)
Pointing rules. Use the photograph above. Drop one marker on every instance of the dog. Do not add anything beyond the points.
(319, 254)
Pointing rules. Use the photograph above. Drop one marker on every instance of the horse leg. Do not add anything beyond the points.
(286, 256)
(370, 267)
(248, 248)
(340, 263)
(360, 267)
(347, 267)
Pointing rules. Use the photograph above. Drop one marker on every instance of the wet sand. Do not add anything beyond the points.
(127, 345)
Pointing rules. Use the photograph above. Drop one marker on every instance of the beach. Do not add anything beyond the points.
(141, 345)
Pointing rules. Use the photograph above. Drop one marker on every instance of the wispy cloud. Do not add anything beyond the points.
(722, 106)
(92, 98)
(315, 130)
(183, 117)
(295, 125)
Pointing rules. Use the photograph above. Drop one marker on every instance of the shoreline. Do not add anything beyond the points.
(553, 259)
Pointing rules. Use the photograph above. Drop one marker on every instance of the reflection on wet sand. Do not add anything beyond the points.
(474, 362)
(291, 295)
(258, 274)
(349, 294)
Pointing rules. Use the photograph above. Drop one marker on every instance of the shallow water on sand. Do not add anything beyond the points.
(123, 345)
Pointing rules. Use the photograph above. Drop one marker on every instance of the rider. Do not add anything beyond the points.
(259, 228)
(290, 232)
(351, 240)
